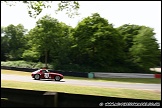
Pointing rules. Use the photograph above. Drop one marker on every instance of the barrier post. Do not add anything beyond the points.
(50, 99)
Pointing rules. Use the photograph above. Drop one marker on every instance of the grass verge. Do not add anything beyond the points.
(109, 92)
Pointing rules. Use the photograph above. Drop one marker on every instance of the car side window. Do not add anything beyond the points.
(44, 71)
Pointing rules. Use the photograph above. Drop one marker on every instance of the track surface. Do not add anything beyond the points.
(105, 84)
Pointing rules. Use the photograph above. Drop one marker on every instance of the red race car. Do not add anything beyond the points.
(46, 74)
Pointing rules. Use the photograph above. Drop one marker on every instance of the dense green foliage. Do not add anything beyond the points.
(36, 7)
(95, 41)
(93, 45)
(12, 42)
(24, 64)
(141, 47)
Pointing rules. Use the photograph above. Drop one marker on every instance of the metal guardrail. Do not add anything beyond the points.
(122, 75)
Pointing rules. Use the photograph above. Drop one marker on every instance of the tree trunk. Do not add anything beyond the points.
(46, 59)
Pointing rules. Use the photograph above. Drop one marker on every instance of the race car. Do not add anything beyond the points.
(46, 74)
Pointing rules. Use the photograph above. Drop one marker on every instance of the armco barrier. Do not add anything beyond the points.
(31, 98)
(157, 75)
(122, 75)
(75, 74)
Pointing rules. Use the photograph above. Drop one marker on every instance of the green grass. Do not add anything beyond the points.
(130, 80)
(134, 80)
(109, 92)
(3, 71)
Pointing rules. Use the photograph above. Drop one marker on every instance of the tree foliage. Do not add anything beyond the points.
(4, 45)
(93, 45)
(145, 50)
(36, 7)
(97, 42)
(48, 38)
(141, 46)
(13, 41)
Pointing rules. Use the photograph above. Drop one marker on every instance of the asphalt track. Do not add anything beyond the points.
(103, 84)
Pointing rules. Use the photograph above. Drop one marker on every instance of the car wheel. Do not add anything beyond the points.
(57, 78)
(37, 77)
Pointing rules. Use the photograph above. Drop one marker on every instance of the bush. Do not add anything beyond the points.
(76, 68)
(24, 64)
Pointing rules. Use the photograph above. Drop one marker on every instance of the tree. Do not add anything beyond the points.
(145, 50)
(36, 7)
(13, 36)
(141, 47)
(4, 45)
(128, 32)
(61, 53)
(44, 37)
(50, 39)
(97, 42)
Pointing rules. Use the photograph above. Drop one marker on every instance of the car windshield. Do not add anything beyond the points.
(37, 71)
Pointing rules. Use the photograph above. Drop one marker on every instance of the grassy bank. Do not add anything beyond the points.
(109, 92)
